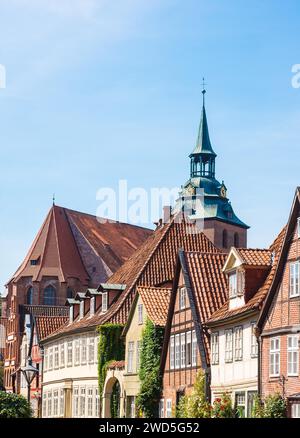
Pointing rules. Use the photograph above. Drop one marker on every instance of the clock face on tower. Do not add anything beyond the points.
(223, 192)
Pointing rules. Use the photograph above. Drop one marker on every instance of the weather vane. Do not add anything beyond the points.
(53, 199)
(203, 90)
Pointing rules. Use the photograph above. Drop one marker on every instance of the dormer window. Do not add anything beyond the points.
(71, 314)
(233, 285)
(34, 262)
(81, 309)
(104, 301)
(92, 306)
(182, 298)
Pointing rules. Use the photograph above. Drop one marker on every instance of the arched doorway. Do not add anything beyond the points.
(113, 398)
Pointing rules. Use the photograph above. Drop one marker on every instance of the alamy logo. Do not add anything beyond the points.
(2, 76)
(296, 77)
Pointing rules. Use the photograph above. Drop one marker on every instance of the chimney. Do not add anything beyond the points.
(167, 214)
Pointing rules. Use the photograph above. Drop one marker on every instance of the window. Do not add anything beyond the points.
(83, 351)
(34, 262)
(71, 314)
(182, 298)
(294, 279)
(138, 354)
(49, 296)
(293, 355)
(82, 402)
(194, 349)
(97, 402)
(45, 360)
(90, 402)
(251, 396)
(81, 309)
(131, 402)
(232, 285)
(225, 239)
(172, 355)
(91, 350)
(177, 351)
(77, 352)
(130, 357)
(70, 353)
(215, 348)
(228, 345)
(169, 408)
(44, 407)
(92, 306)
(29, 296)
(56, 357)
(62, 403)
(104, 301)
(55, 403)
(49, 404)
(295, 411)
(50, 359)
(140, 314)
(236, 240)
(182, 350)
(62, 354)
(188, 349)
(254, 343)
(238, 343)
(274, 357)
(76, 402)
(240, 404)
(161, 408)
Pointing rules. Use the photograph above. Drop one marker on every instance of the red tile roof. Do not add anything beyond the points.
(58, 250)
(153, 263)
(255, 257)
(45, 325)
(156, 301)
(258, 298)
(116, 364)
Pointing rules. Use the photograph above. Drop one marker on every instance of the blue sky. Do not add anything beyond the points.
(100, 90)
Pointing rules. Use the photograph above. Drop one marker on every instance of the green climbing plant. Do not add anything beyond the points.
(110, 347)
(149, 374)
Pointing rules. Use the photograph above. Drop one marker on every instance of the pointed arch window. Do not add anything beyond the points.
(70, 293)
(49, 296)
(225, 239)
(236, 240)
(29, 296)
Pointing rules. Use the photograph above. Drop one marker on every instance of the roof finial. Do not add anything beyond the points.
(203, 90)
(53, 199)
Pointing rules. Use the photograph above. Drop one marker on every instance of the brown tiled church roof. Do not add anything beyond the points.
(256, 302)
(156, 301)
(56, 248)
(153, 264)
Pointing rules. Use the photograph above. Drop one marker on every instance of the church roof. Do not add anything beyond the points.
(152, 264)
(203, 145)
(56, 250)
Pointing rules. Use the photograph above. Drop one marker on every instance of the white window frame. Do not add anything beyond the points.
(194, 349)
(97, 403)
(274, 357)
(182, 298)
(161, 408)
(77, 352)
(62, 402)
(83, 350)
(177, 351)
(92, 305)
(188, 349)
(293, 355)
(82, 402)
(294, 280)
(238, 343)
(91, 350)
(228, 346)
(70, 353)
(45, 360)
(71, 314)
(140, 314)
(81, 309)
(214, 348)
(138, 354)
(104, 301)
(90, 401)
(254, 343)
(232, 282)
(172, 352)
(49, 404)
(62, 355)
(130, 354)
(75, 401)
(295, 410)
(182, 351)
(55, 403)
(44, 405)
(168, 408)
(56, 357)
(50, 368)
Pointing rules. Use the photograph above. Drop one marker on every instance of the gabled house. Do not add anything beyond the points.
(150, 303)
(279, 321)
(233, 343)
(199, 289)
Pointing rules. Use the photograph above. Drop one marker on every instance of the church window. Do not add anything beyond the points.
(236, 240)
(70, 293)
(29, 296)
(49, 296)
(225, 239)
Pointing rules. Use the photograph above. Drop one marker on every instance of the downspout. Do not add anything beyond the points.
(259, 371)
(41, 381)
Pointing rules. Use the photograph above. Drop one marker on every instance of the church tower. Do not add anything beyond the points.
(220, 223)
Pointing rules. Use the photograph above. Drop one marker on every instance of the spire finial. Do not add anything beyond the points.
(53, 199)
(203, 90)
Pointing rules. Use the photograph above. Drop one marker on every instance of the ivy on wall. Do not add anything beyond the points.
(110, 348)
(151, 381)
